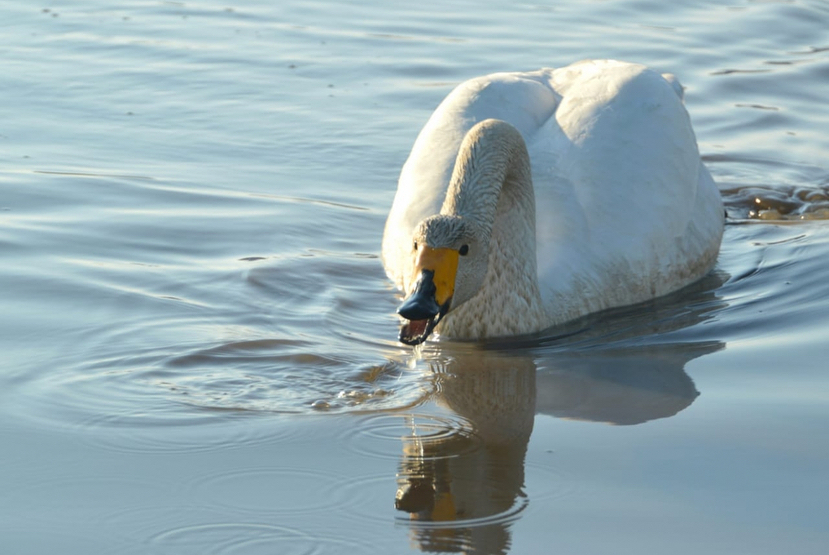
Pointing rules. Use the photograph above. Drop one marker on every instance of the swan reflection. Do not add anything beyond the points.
(457, 496)
(461, 492)
(623, 388)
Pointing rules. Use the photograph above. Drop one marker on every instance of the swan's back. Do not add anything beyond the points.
(625, 210)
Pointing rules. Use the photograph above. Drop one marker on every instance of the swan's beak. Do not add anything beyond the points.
(432, 295)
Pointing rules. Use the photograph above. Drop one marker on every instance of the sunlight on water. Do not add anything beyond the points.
(417, 355)
(780, 203)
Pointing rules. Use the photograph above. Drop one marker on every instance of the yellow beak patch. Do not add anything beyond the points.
(444, 263)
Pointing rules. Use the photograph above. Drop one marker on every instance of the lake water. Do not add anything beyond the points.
(199, 347)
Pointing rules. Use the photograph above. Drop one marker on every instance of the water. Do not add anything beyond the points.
(198, 339)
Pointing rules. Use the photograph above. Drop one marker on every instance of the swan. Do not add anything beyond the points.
(534, 198)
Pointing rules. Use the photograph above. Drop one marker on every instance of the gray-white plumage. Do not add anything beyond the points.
(584, 190)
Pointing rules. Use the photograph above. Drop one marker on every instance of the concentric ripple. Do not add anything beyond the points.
(270, 491)
(140, 432)
(252, 538)
(227, 537)
(431, 436)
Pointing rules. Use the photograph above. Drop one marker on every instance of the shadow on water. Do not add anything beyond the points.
(461, 492)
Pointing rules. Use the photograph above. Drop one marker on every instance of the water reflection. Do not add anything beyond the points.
(461, 496)
(620, 387)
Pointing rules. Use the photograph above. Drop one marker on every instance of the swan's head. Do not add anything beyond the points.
(449, 264)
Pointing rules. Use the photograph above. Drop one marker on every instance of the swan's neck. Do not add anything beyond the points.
(492, 188)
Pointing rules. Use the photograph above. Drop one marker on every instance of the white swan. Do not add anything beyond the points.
(530, 199)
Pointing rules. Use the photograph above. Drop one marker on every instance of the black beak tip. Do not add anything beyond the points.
(419, 308)
(421, 304)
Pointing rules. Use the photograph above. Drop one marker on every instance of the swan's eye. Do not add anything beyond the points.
(463, 250)
(414, 245)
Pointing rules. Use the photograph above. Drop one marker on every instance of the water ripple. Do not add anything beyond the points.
(270, 491)
(269, 376)
(250, 538)
(432, 436)
(778, 203)
(225, 537)
(141, 432)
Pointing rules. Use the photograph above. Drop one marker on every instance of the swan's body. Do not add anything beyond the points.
(605, 202)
